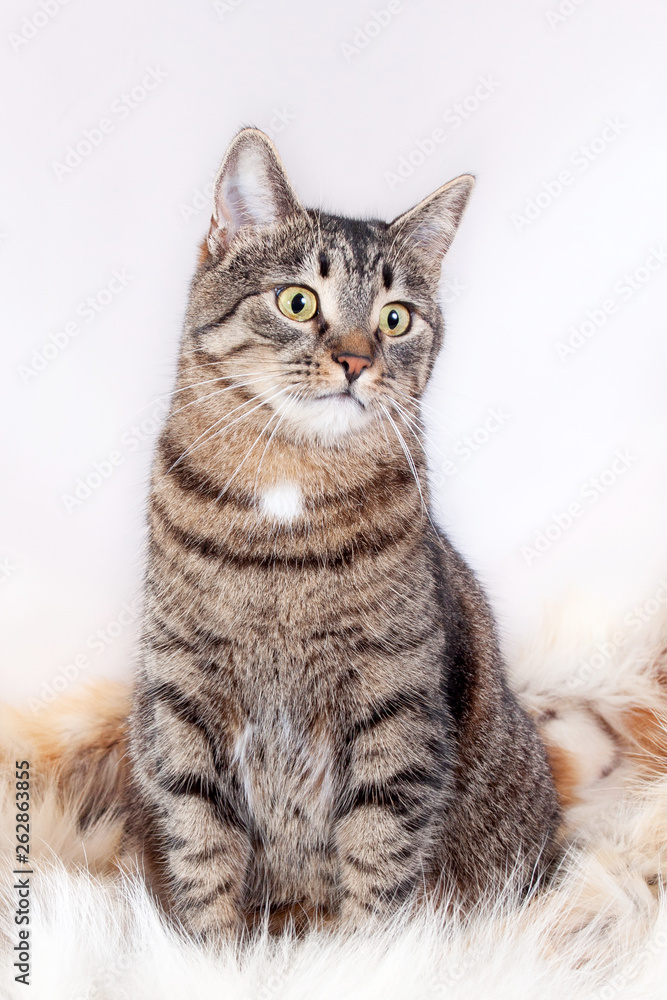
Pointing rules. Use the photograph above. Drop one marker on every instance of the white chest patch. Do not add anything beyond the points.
(283, 502)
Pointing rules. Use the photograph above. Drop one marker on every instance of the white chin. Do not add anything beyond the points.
(328, 419)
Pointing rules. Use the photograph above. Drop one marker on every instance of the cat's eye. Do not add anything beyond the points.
(297, 302)
(394, 319)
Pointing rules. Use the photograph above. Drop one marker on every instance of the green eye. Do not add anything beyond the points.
(394, 319)
(297, 303)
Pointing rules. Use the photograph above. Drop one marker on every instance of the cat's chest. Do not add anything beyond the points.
(281, 503)
(276, 749)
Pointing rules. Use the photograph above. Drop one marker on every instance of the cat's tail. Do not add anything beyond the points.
(77, 767)
(599, 697)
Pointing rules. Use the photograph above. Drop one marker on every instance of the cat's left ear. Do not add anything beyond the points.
(251, 190)
(431, 225)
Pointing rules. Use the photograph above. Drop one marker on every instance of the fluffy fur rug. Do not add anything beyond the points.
(600, 930)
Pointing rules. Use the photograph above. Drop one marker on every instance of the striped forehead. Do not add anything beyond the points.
(356, 246)
(350, 261)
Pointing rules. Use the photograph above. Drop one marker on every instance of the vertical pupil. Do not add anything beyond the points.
(392, 320)
(298, 302)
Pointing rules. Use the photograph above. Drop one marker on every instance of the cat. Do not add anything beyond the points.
(321, 718)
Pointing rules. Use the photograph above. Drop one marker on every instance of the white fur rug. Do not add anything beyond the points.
(600, 931)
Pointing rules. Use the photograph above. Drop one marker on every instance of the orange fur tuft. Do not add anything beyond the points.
(566, 774)
(78, 772)
(203, 254)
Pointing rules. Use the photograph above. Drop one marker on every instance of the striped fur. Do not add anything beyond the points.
(598, 931)
(321, 720)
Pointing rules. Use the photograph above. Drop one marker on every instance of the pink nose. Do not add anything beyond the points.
(353, 364)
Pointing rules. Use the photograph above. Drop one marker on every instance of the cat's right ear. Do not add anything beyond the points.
(251, 190)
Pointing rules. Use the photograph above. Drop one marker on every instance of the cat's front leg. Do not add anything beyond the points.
(389, 819)
(207, 855)
(182, 772)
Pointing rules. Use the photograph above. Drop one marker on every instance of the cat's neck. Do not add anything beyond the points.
(249, 460)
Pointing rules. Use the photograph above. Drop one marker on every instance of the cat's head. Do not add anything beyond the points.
(330, 324)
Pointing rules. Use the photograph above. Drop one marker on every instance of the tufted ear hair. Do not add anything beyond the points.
(431, 225)
(251, 190)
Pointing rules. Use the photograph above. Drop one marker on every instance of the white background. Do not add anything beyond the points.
(352, 105)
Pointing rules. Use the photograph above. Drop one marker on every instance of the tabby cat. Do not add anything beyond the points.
(321, 718)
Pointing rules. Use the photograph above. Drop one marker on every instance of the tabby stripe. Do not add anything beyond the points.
(186, 884)
(157, 552)
(378, 795)
(387, 645)
(417, 776)
(200, 787)
(382, 488)
(199, 904)
(459, 679)
(349, 894)
(362, 866)
(190, 712)
(198, 330)
(404, 701)
(172, 843)
(247, 345)
(206, 853)
(395, 793)
(386, 486)
(403, 854)
(397, 892)
(417, 821)
(169, 640)
(362, 545)
(179, 470)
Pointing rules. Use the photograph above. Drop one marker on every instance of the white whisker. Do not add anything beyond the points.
(291, 398)
(409, 458)
(250, 449)
(218, 392)
(227, 427)
(413, 422)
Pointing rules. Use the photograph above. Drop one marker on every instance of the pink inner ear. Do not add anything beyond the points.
(251, 190)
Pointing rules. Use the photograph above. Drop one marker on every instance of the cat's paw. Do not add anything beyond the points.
(214, 927)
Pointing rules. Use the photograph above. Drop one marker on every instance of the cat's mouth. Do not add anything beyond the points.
(329, 416)
(344, 398)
